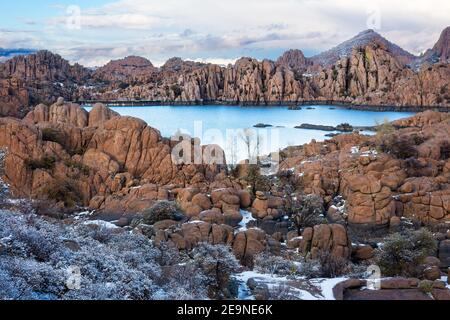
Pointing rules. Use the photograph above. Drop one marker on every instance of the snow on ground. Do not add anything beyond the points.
(83, 215)
(324, 287)
(247, 218)
(445, 280)
(195, 222)
(369, 153)
(101, 224)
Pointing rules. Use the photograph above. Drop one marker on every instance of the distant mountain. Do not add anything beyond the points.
(43, 66)
(39, 77)
(363, 39)
(441, 50)
(9, 53)
(177, 64)
(365, 70)
(295, 60)
(128, 68)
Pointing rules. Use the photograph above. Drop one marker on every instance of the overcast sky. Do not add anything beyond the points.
(92, 32)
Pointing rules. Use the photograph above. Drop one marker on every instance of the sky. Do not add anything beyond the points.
(92, 32)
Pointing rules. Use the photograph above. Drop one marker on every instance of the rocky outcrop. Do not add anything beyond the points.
(189, 235)
(43, 66)
(98, 159)
(391, 289)
(372, 74)
(332, 239)
(379, 187)
(294, 60)
(248, 244)
(14, 97)
(126, 70)
(59, 113)
(367, 37)
(442, 47)
(39, 78)
(368, 70)
(267, 206)
(440, 51)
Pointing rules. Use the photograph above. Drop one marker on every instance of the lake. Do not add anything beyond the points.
(224, 125)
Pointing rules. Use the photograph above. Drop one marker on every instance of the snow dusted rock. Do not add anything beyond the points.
(339, 289)
(249, 243)
(326, 238)
(364, 252)
(391, 289)
(108, 163)
(432, 273)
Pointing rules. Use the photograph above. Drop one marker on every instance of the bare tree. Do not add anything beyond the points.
(259, 140)
(247, 136)
(232, 151)
(253, 142)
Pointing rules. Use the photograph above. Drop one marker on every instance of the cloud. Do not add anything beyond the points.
(224, 30)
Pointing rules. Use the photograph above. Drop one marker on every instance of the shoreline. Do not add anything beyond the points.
(154, 103)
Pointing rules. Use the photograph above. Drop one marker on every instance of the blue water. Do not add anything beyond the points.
(210, 123)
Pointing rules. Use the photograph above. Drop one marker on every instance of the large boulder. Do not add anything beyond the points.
(249, 243)
(444, 253)
(332, 239)
(60, 112)
(99, 114)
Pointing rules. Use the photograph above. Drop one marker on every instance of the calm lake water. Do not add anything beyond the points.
(223, 124)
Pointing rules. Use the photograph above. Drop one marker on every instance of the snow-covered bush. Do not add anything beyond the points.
(162, 210)
(332, 266)
(310, 269)
(402, 253)
(308, 211)
(217, 263)
(327, 265)
(274, 265)
(283, 292)
(47, 259)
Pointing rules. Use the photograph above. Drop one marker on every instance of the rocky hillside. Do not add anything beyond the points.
(294, 60)
(126, 70)
(440, 51)
(367, 37)
(66, 153)
(334, 208)
(370, 75)
(367, 70)
(41, 77)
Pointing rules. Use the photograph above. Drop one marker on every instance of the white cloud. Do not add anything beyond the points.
(223, 30)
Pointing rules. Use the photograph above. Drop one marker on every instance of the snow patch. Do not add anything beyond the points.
(445, 280)
(101, 224)
(83, 215)
(354, 150)
(195, 222)
(247, 218)
(326, 286)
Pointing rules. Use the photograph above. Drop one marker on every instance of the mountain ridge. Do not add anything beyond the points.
(363, 38)
(372, 73)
